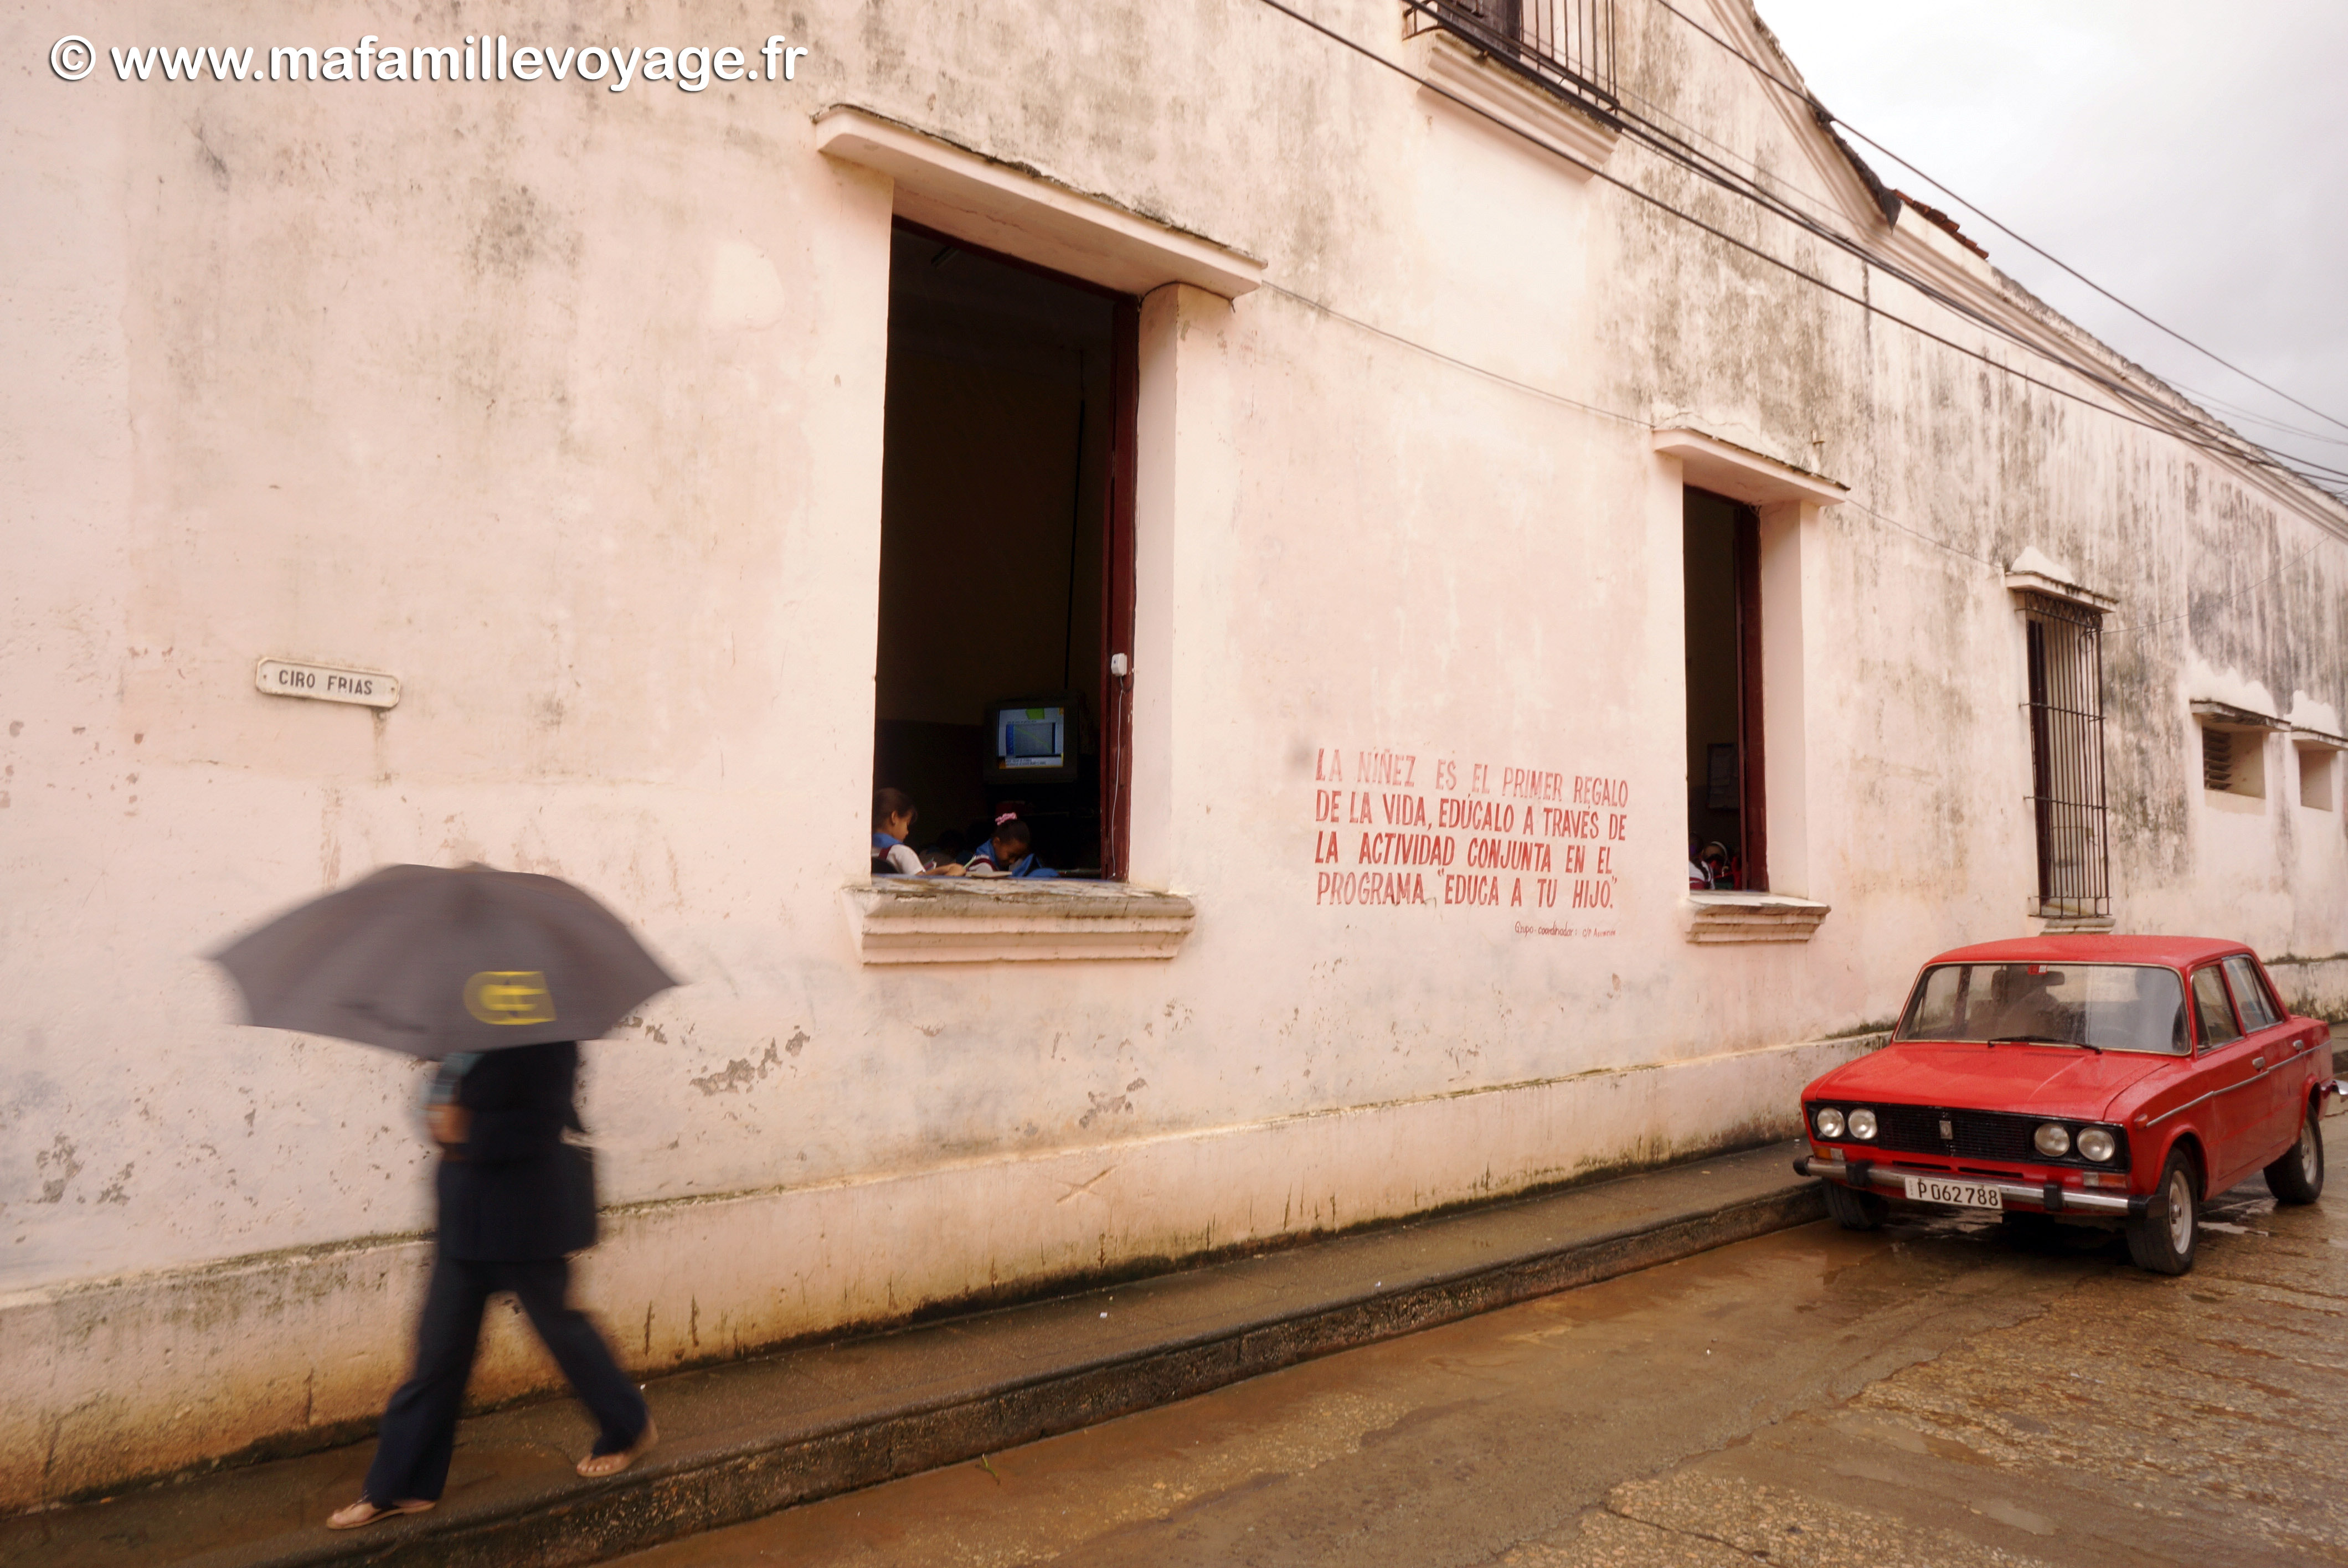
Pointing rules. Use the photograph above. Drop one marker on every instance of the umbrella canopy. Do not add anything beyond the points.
(428, 960)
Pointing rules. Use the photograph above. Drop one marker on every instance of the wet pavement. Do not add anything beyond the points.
(741, 1440)
(1930, 1394)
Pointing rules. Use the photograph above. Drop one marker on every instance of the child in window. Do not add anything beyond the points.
(1009, 853)
(892, 820)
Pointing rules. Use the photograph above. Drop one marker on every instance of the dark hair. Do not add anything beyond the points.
(889, 803)
(1013, 833)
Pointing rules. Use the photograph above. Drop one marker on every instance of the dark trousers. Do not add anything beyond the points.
(420, 1425)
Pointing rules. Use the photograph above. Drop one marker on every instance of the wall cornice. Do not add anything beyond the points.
(1708, 463)
(1923, 251)
(1020, 211)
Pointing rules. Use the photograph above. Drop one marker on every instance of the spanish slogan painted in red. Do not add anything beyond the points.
(1407, 830)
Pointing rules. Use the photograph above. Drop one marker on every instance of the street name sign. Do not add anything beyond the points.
(325, 683)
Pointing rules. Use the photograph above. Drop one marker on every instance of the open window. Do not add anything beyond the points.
(1727, 814)
(1746, 581)
(1006, 560)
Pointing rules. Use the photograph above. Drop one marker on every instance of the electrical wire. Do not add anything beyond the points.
(1812, 104)
(2129, 628)
(1853, 501)
(1325, 308)
(2119, 628)
(1715, 171)
(2232, 442)
(2231, 449)
(1657, 115)
(1468, 365)
(2167, 421)
(2236, 411)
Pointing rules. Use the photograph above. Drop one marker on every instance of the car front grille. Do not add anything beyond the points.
(1980, 1135)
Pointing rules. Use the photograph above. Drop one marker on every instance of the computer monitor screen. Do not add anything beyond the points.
(1028, 738)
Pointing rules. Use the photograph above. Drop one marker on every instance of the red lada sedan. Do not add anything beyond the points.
(2105, 1080)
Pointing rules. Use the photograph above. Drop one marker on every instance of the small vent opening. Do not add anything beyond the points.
(2233, 760)
(2217, 759)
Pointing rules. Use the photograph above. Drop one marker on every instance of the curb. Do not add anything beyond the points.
(725, 1487)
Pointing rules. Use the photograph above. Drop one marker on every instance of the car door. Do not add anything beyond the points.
(2236, 1111)
(2273, 1045)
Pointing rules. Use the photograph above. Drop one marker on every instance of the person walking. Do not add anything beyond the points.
(496, 976)
(507, 1195)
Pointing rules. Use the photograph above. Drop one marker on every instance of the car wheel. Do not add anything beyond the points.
(2162, 1238)
(2298, 1176)
(1854, 1210)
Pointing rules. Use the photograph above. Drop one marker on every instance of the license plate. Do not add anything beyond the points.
(1966, 1194)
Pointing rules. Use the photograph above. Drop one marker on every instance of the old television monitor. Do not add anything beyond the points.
(1031, 740)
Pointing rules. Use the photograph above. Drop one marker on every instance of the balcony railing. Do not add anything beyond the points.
(1566, 45)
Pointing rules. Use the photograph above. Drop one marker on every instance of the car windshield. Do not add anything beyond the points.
(2111, 1007)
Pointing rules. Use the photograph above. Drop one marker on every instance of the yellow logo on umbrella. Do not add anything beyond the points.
(509, 996)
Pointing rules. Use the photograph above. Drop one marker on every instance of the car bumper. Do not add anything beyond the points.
(2053, 1197)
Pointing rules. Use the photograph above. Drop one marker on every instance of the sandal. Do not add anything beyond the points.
(594, 1467)
(367, 1511)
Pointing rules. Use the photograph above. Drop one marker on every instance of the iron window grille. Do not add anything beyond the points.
(2068, 818)
(1564, 46)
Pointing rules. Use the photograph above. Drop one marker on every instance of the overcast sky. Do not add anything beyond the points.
(2190, 158)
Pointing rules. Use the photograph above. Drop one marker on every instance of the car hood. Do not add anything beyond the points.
(2038, 1080)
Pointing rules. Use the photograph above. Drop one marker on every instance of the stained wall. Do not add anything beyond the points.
(566, 407)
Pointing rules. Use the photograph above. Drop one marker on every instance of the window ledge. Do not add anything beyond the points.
(2069, 925)
(949, 920)
(1461, 72)
(1753, 917)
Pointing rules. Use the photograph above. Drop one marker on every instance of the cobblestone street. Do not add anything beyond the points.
(1927, 1396)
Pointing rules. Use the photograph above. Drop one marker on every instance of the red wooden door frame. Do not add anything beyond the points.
(1118, 592)
(1752, 757)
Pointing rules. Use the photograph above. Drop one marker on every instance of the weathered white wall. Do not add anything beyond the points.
(177, 1364)
(565, 406)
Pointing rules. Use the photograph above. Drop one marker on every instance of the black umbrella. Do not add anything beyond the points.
(429, 961)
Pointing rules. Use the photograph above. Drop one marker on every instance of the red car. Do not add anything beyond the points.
(2105, 1080)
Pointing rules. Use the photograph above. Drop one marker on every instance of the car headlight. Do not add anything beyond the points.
(2053, 1140)
(1862, 1122)
(2097, 1144)
(1828, 1122)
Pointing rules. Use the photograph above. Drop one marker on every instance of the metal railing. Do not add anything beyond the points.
(2066, 757)
(1566, 45)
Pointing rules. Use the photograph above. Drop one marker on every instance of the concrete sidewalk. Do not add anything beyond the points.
(748, 1437)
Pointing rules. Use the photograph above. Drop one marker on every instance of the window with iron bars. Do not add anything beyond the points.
(1565, 45)
(2066, 757)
